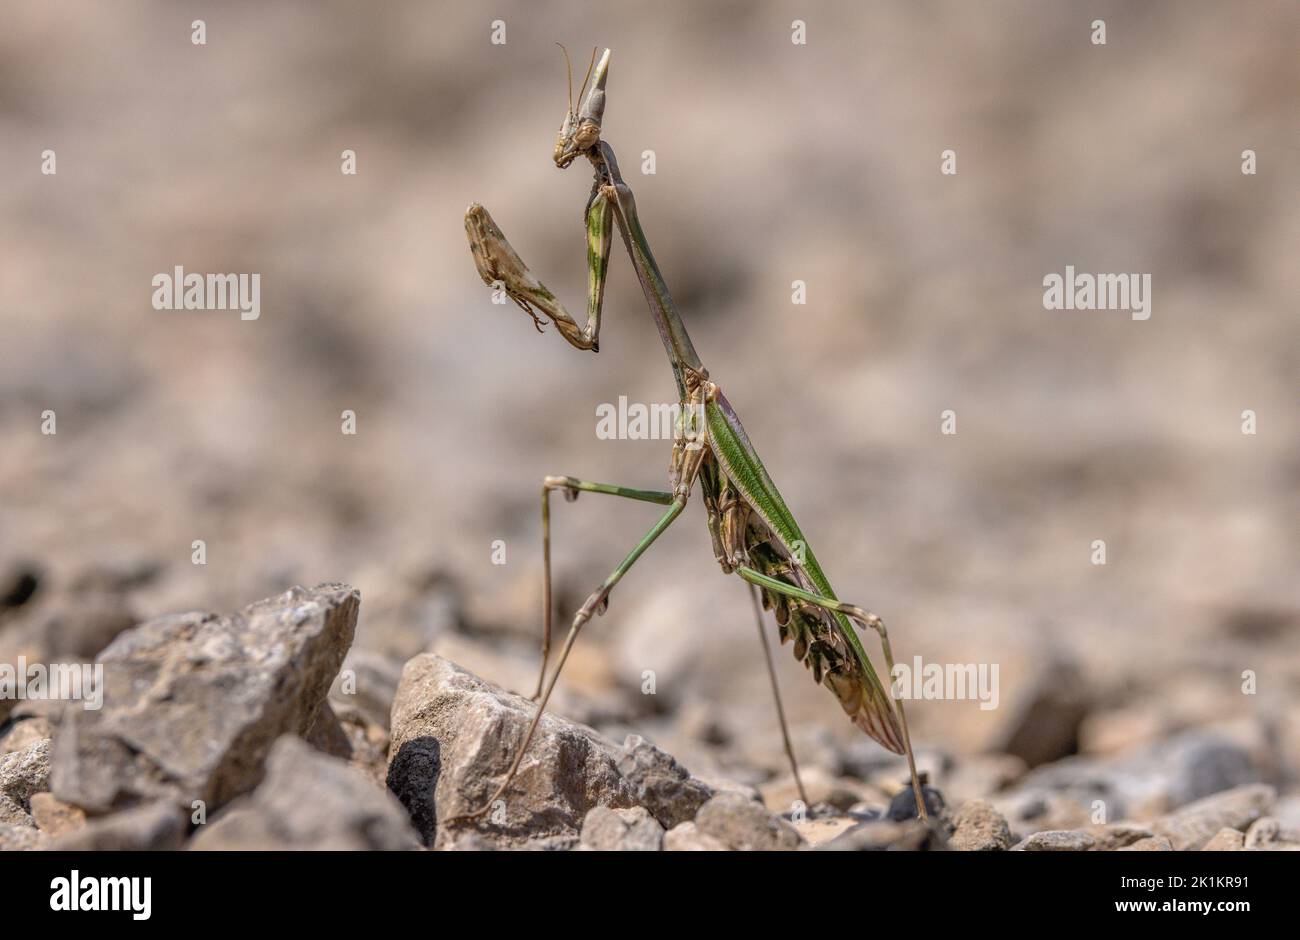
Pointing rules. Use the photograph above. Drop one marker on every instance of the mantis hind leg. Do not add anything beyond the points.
(571, 487)
(776, 693)
(868, 620)
(593, 605)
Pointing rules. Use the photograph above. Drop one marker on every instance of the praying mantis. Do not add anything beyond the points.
(753, 533)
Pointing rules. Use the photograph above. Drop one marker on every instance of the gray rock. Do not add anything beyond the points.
(878, 835)
(24, 733)
(1192, 826)
(686, 837)
(1058, 840)
(192, 702)
(156, 826)
(310, 800)
(368, 681)
(978, 827)
(23, 774)
(622, 830)
(20, 838)
(62, 628)
(1147, 782)
(1268, 832)
(745, 825)
(1152, 844)
(454, 736)
(1113, 836)
(663, 786)
(1044, 723)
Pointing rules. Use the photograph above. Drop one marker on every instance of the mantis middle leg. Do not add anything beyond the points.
(590, 607)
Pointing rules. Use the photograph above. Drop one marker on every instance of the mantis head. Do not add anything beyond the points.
(581, 130)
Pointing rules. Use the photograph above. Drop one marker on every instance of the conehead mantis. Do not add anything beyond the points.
(754, 535)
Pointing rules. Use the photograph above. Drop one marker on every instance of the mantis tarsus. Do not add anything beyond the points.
(754, 534)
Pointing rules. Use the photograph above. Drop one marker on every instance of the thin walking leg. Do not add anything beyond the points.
(594, 603)
(572, 488)
(776, 694)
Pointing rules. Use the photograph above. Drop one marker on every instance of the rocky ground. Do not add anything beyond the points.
(1130, 691)
(256, 730)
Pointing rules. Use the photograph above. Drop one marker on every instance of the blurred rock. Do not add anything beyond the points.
(1151, 844)
(159, 825)
(1057, 840)
(742, 824)
(980, 775)
(53, 817)
(781, 794)
(1032, 810)
(24, 733)
(1226, 840)
(622, 830)
(978, 827)
(327, 734)
(1145, 783)
(367, 682)
(62, 628)
(19, 580)
(1112, 836)
(310, 800)
(1045, 721)
(1192, 826)
(902, 805)
(686, 837)
(823, 825)
(1269, 833)
(913, 835)
(20, 838)
(367, 740)
(194, 701)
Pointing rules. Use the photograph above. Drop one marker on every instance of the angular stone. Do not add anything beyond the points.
(192, 702)
(1112, 836)
(454, 736)
(154, 826)
(978, 827)
(1193, 825)
(622, 830)
(663, 786)
(23, 774)
(310, 800)
(745, 825)
(1058, 840)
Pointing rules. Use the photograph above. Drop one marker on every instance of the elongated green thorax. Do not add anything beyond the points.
(677, 342)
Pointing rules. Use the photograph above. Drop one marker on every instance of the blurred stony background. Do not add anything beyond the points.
(774, 162)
